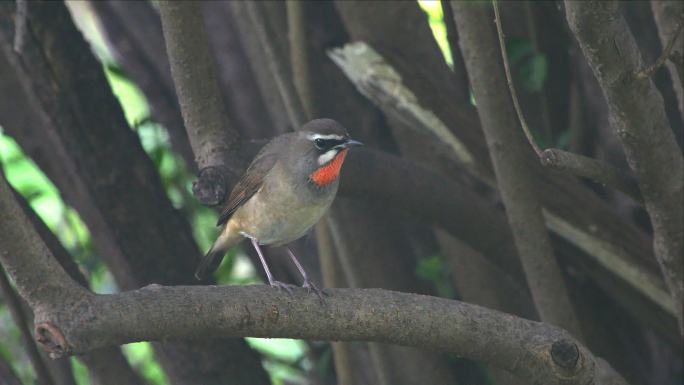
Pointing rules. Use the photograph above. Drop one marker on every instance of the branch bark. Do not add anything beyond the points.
(599, 172)
(637, 112)
(101, 363)
(214, 141)
(620, 249)
(71, 320)
(512, 164)
(277, 63)
(73, 127)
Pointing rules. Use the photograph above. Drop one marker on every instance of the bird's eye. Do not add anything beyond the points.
(320, 143)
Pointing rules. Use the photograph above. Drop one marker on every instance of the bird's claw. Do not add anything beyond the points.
(309, 286)
(281, 285)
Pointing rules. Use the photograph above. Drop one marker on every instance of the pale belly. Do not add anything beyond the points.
(289, 222)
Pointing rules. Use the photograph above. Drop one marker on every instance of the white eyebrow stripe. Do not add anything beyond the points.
(320, 136)
(327, 156)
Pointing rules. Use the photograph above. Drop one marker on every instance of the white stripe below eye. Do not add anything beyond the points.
(327, 156)
(321, 136)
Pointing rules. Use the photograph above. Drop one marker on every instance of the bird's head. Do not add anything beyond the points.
(322, 145)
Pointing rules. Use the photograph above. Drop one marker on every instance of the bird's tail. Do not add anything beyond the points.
(212, 259)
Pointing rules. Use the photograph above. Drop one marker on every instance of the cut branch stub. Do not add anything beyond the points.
(52, 340)
(565, 354)
(211, 185)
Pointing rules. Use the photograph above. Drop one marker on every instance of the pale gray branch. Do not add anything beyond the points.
(638, 115)
(511, 159)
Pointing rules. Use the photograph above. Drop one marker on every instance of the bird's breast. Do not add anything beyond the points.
(280, 213)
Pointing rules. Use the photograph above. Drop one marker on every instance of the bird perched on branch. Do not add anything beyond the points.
(286, 189)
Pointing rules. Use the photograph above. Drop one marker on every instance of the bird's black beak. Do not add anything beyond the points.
(352, 143)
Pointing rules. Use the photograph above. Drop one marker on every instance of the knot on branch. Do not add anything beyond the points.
(52, 340)
(549, 157)
(565, 354)
(210, 187)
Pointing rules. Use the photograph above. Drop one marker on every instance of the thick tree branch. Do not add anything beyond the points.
(597, 230)
(365, 67)
(510, 158)
(101, 363)
(529, 349)
(71, 320)
(637, 112)
(74, 129)
(212, 138)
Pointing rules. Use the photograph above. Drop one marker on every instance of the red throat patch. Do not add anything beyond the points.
(328, 172)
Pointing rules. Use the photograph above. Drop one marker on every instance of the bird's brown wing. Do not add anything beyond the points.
(252, 180)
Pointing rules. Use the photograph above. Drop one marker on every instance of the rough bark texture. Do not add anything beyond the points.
(638, 116)
(619, 247)
(106, 366)
(212, 138)
(511, 158)
(530, 349)
(77, 134)
(586, 167)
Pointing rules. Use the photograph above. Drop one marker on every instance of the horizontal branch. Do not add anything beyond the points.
(70, 320)
(593, 169)
(532, 350)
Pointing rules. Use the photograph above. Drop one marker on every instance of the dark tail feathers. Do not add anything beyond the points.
(209, 263)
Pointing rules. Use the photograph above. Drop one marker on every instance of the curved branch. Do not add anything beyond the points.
(532, 350)
(71, 320)
(593, 169)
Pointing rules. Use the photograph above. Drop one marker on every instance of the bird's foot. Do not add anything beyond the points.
(282, 286)
(310, 286)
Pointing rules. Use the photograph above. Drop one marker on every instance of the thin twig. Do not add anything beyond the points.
(299, 58)
(509, 79)
(560, 160)
(649, 71)
(275, 62)
(20, 25)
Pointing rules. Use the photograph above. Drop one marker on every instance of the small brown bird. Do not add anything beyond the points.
(286, 189)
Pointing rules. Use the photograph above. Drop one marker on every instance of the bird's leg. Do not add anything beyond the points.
(308, 284)
(271, 281)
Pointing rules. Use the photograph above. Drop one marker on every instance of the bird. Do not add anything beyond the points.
(286, 189)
